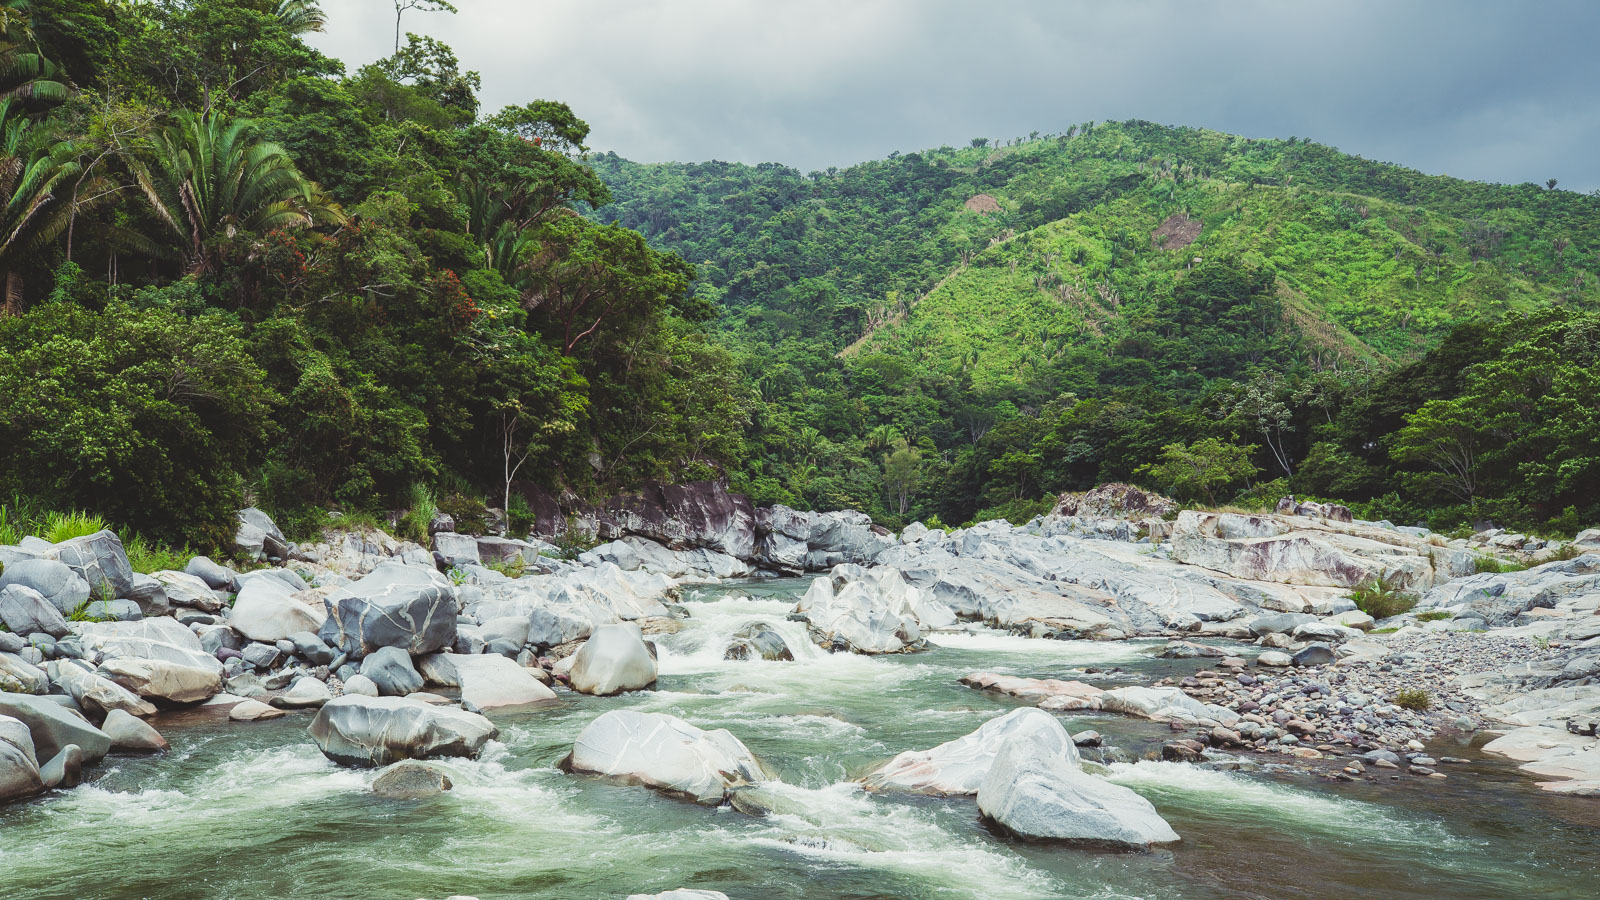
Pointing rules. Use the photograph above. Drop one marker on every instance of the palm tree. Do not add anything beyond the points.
(301, 16)
(207, 177)
(25, 75)
(40, 181)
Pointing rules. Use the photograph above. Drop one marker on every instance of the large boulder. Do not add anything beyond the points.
(1038, 791)
(187, 590)
(132, 735)
(18, 676)
(52, 579)
(158, 638)
(53, 727)
(665, 753)
(870, 611)
(95, 695)
(150, 595)
(25, 611)
(164, 682)
(217, 577)
(258, 536)
(1164, 704)
(376, 731)
(100, 560)
(488, 681)
(267, 610)
(397, 605)
(693, 514)
(456, 550)
(612, 660)
(958, 767)
(391, 670)
(19, 765)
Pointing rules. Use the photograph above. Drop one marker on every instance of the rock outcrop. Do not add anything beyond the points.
(613, 660)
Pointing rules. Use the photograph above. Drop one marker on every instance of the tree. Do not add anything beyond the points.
(301, 16)
(902, 474)
(206, 177)
(1448, 436)
(401, 6)
(39, 180)
(1202, 467)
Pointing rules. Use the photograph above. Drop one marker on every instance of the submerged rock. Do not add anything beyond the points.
(959, 766)
(410, 780)
(1035, 791)
(758, 641)
(613, 660)
(376, 731)
(665, 753)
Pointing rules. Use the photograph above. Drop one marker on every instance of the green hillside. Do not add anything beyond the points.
(1005, 322)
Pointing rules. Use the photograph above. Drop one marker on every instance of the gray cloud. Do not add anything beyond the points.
(1492, 91)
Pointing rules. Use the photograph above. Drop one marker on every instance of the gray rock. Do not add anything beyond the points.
(53, 727)
(1275, 659)
(132, 734)
(54, 580)
(96, 695)
(1315, 655)
(360, 686)
(410, 780)
(262, 656)
(758, 641)
(307, 692)
(1282, 623)
(150, 595)
(311, 648)
(186, 590)
(376, 731)
(397, 605)
(11, 643)
(258, 535)
(19, 766)
(100, 560)
(665, 753)
(65, 769)
(612, 660)
(456, 550)
(26, 611)
(1039, 792)
(216, 577)
(218, 637)
(489, 682)
(390, 669)
(19, 676)
(268, 610)
(254, 711)
(113, 611)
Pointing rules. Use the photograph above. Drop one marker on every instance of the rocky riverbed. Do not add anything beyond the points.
(1196, 640)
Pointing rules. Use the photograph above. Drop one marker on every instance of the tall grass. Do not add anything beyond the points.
(22, 517)
(64, 526)
(413, 526)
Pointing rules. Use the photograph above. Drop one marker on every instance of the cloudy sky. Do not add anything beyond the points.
(1486, 90)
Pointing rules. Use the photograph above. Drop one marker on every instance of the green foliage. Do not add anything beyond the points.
(1432, 615)
(1017, 512)
(573, 540)
(469, 512)
(146, 556)
(64, 526)
(1496, 565)
(413, 526)
(1413, 698)
(1198, 470)
(1381, 600)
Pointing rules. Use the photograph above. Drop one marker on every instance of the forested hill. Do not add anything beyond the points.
(1002, 321)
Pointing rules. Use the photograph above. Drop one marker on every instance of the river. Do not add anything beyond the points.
(254, 810)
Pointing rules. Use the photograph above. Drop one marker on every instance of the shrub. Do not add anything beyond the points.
(413, 526)
(1413, 698)
(147, 557)
(1432, 615)
(519, 517)
(573, 540)
(470, 513)
(1381, 600)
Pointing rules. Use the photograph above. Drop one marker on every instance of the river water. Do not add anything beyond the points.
(254, 810)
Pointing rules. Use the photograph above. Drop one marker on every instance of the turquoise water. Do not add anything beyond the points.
(254, 810)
